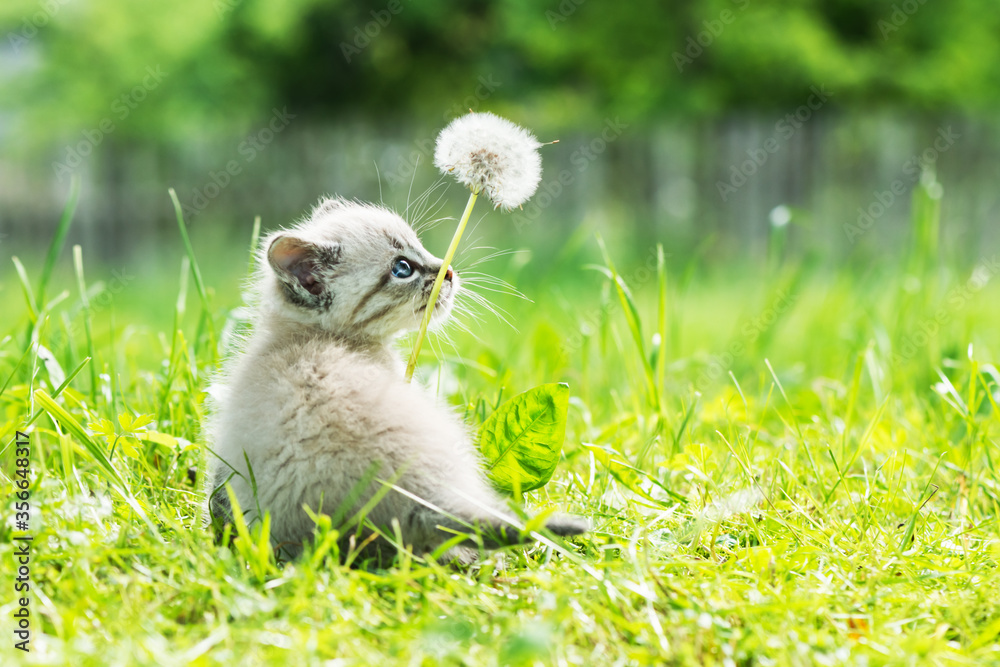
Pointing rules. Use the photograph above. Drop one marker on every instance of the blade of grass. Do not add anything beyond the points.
(59, 389)
(852, 396)
(58, 413)
(55, 247)
(199, 283)
(869, 431)
(632, 319)
(29, 294)
(911, 524)
(661, 276)
(38, 413)
(113, 367)
(687, 419)
(177, 337)
(17, 366)
(244, 542)
(795, 424)
(87, 326)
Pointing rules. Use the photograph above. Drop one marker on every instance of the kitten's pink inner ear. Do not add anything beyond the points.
(296, 258)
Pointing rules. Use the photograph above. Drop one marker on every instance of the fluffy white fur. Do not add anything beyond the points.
(317, 403)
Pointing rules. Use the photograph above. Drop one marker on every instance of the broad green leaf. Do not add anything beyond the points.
(141, 422)
(103, 427)
(128, 446)
(125, 419)
(163, 439)
(522, 439)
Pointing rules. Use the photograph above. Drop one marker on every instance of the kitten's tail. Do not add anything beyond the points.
(495, 533)
(567, 525)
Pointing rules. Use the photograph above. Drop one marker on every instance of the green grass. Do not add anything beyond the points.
(801, 469)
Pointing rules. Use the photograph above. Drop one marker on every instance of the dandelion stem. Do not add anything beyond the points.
(436, 289)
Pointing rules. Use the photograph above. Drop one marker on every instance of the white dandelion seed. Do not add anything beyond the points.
(487, 154)
(490, 154)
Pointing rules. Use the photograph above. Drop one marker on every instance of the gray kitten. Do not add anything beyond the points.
(317, 404)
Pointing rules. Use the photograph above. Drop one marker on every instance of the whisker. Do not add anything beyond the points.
(496, 255)
(423, 203)
(378, 177)
(459, 324)
(494, 286)
(497, 311)
(475, 225)
(438, 341)
(423, 207)
(416, 208)
(496, 290)
(413, 177)
(433, 222)
(479, 275)
(463, 309)
(498, 284)
(485, 277)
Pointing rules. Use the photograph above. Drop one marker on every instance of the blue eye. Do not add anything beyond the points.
(402, 269)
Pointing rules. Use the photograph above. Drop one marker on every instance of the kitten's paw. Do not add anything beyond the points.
(566, 525)
(461, 556)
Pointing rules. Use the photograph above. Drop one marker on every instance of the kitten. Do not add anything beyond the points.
(317, 404)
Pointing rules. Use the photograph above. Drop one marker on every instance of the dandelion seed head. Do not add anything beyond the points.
(780, 216)
(490, 154)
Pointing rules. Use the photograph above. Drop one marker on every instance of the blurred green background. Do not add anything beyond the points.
(822, 177)
(703, 124)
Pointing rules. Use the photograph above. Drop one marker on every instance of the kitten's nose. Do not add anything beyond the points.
(449, 274)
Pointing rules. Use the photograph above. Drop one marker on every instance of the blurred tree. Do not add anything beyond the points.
(69, 64)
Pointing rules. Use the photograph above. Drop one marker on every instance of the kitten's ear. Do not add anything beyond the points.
(327, 205)
(303, 267)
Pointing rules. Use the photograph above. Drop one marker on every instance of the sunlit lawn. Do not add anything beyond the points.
(810, 476)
